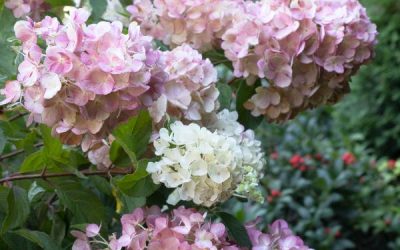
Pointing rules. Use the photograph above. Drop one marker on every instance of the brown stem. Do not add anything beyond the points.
(87, 172)
(232, 80)
(17, 152)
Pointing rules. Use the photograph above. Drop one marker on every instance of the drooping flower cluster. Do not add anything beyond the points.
(206, 166)
(21, 8)
(184, 229)
(88, 78)
(306, 50)
(190, 92)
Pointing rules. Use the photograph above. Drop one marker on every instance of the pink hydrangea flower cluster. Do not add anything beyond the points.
(190, 92)
(21, 8)
(306, 50)
(197, 23)
(279, 237)
(83, 80)
(184, 229)
(87, 79)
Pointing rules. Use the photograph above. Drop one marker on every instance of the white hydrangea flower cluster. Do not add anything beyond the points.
(226, 123)
(206, 165)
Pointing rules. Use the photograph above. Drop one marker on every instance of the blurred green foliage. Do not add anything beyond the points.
(334, 202)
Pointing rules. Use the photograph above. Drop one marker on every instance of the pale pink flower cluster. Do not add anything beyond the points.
(279, 237)
(197, 23)
(150, 229)
(306, 50)
(190, 92)
(183, 229)
(88, 79)
(21, 8)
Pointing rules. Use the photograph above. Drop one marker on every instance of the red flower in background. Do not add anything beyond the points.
(303, 168)
(274, 155)
(275, 193)
(391, 164)
(318, 157)
(348, 158)
(296, 161)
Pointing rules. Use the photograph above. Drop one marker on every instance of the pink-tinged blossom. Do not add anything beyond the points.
(51, 84)
(85, 80)
(12, 92)
(92, 230)
(197, 23)
(157, 231)
(58, 61)
(19, 7)
(98, 82)
(100, 156)
(190, 91)
(24, 31)
(279, 236)
(28, 73)
(22, 8)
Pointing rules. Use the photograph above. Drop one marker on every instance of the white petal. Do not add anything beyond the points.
(51, 83)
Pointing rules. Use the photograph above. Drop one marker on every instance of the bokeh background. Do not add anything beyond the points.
(333, 172)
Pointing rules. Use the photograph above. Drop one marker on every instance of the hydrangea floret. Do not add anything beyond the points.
(190, 93)
(23, 8)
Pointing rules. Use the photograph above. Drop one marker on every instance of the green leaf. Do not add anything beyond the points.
(243, 94)
(129, 203)
(138, 184)
(225, 95)
(129, 180)
(98, 9)
(52, 155)
(18, 209)
(28, 142)
(39, 238)
(141, 188)
(3, 199)
(34, 162)
(52, 147)
(134, 135)
(2, 141)
(101, 184)
(7, 66)
(58, 229)
(83, 204)
(58, 3)
(218, 57)
(118, 156)
(34, 191)
(236, 229)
